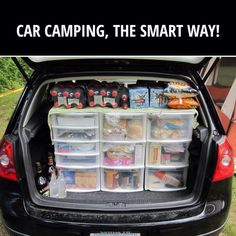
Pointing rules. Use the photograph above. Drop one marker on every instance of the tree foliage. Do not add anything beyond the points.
(10, 76)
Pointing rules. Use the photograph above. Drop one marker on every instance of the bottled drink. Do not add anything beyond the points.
(41, 181)
(61, 185)
(53, 186)
(51, 167)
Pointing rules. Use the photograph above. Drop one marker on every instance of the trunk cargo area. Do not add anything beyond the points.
(145, 155)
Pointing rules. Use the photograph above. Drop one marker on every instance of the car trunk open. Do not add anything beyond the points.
(37, 136)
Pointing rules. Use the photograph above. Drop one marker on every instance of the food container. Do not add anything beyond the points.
(123, 127)
(66, 134)
(173, 126)
(165, 179)
(82, 180)
(75, 119)
(167, 154)
(77, 147)
(122, 180)
(75, 161)
(123, 154)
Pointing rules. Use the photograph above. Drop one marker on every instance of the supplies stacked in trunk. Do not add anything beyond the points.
(131, 150)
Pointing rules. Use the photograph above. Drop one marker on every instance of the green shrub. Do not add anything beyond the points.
(10, 76)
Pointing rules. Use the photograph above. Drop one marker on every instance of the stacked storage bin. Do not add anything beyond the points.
(76, 140)
(123, 138)
(168, 136)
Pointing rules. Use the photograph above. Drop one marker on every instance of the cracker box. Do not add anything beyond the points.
(139, 97)
(157, 98)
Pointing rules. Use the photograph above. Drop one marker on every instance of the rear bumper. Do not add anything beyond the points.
(208, 219)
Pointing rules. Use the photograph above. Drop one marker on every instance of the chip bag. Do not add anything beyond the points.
(183, 103)
(179, 90)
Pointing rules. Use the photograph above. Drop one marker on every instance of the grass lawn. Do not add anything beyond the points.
(7, 105)
(230, 228)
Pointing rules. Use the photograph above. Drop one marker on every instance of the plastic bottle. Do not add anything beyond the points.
(53, 186)
(61, 185)
(41, 181)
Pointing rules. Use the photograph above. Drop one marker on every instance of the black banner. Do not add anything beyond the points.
(146, 37)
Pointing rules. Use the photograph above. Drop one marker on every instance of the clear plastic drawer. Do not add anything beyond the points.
(75, 134)
(165, 179)
(123, 127)
(82, 148)
(75, 119)
(170, 126)
(82, 180)
(167, 154)
(77, 161)
(120, 180)
(123, 154)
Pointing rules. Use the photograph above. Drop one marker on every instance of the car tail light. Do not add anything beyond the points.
(225, 163)
(7, 168)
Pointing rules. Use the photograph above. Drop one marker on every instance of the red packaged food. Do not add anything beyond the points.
(183, 103)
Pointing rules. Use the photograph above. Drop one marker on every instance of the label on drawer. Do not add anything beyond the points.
(154, 155)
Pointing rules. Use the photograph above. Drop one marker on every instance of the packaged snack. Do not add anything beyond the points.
(114, 128)
(135, 129)
(183, 103)
(120, 155)
(157, 98)
(86, 180)
(168, 179)
(154, 154)
(170, 128)
(123, 154)
(111, 179)
(122, 179)
(69, 177)
(139, 97)
(179, 90)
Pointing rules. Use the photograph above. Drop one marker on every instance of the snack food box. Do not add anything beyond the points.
(123, 154)
(165, 179)
(121, 180)
(157, 98)
(167, 154)
(139, 97)
(82, 180)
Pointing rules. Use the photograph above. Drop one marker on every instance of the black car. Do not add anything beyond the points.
(132, 169)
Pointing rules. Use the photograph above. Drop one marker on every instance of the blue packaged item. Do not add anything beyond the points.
(69, 177)
(139, 97)
(157, 98)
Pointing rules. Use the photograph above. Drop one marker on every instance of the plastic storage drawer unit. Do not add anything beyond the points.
(165, 179)
(64, 133)
(82, 180)
(121, 180)
(167, 154)
(175, 126)
(77, 147)
(76, 161)
(123, 127)
(75, 119)
(123, 154)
